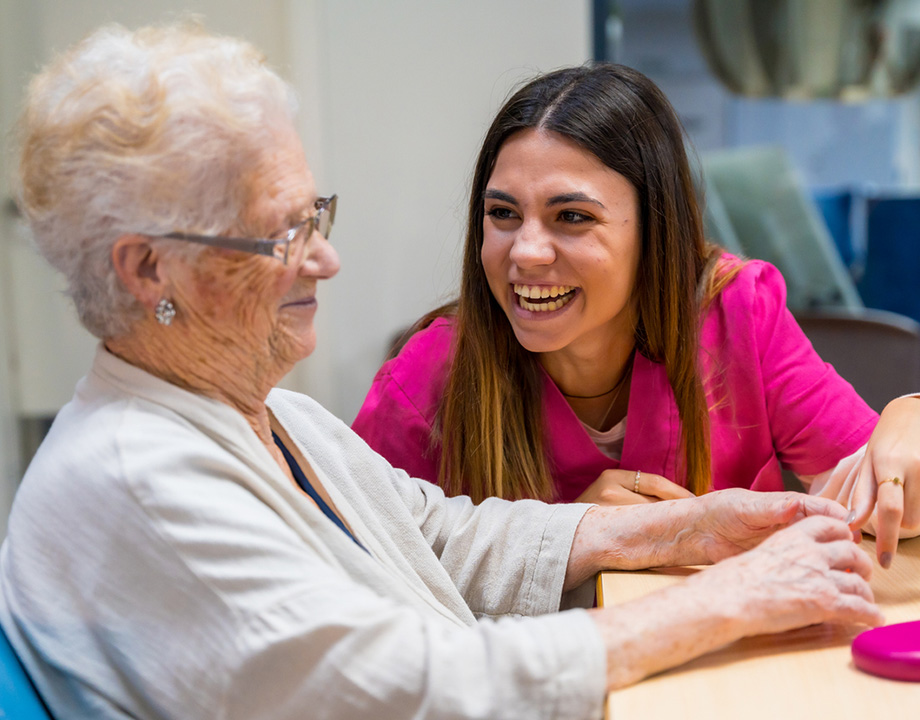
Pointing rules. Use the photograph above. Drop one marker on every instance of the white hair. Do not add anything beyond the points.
(144, 132)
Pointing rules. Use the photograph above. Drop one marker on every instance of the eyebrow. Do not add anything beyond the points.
(499, 195)
(554, 200)
(573, 197)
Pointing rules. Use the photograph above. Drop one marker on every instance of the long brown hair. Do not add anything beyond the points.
(490, 418)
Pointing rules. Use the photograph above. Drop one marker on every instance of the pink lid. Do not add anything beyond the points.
(892, 651)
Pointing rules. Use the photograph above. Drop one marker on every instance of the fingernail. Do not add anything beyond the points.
(851, 517)
(885, 560)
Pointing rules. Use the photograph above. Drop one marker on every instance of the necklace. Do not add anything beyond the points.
(621, 382)
(593, 397)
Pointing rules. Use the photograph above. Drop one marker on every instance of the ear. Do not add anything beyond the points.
(140, 268)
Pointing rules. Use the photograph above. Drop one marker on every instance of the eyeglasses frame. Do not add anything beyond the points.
(267, 246)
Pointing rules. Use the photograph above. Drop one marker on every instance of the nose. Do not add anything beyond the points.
(321, 260)
(532, 246)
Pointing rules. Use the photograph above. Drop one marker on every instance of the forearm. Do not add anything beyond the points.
(663, 630)
(693, 531)
(633, 537)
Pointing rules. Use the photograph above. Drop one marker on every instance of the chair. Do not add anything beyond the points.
(776, 220)
(890, 278)
(18, 698)
(876, 351)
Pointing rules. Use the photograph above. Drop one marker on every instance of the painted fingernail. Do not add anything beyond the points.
(851, 517)
(885, 560)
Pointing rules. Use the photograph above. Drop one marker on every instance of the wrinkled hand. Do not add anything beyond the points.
(891, 510)
(616, 487)
(735, 520)
(808, 573)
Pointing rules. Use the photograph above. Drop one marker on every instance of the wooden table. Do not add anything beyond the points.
(805, 674)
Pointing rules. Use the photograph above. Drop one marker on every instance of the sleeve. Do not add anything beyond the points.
(505, 558)
(304, 634)
(338, 651)
(292, 633)
(308, 634)
(816, 417)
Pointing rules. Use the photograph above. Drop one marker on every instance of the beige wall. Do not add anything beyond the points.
(396, 95)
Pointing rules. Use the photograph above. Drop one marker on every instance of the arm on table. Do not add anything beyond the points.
(808, 572)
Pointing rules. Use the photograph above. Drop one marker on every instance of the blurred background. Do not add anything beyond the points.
(803, 116)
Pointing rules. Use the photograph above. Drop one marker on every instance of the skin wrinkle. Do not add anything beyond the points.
(236, 333)
(787, 583)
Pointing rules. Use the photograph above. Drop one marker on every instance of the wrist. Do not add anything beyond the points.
(632, 537)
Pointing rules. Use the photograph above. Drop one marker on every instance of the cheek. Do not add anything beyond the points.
(494, 256)
(237, 290)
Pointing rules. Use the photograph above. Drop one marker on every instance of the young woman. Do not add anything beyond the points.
(602, 351)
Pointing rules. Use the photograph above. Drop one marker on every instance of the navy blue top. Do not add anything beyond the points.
(311, 491)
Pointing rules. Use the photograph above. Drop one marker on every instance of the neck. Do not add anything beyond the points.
(592, 373)
(214, 370)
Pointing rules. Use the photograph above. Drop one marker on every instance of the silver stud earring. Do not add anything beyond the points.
(165, 312)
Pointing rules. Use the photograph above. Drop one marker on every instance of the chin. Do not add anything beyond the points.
(536, 342)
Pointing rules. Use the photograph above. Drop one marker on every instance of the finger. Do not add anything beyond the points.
(889, 510)
(615, 494)
(852, 584)
(849, 558)
(863, 493)
(855, 608)
(631, 498)
(911, 487)
(811, 505)
(660, 487)
(825, 529)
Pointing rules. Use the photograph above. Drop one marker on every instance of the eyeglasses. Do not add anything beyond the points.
(283, 248)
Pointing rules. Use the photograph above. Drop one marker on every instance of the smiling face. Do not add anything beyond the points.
(561, 246)
(255, 305)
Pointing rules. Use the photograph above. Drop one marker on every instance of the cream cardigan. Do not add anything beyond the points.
(160, 565)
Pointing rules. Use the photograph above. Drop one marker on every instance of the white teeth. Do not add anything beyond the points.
(542, 291)
(562, 293)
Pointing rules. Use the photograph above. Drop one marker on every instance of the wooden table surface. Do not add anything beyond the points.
(805, 674)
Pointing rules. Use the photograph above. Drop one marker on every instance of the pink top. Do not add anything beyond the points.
(775, 402)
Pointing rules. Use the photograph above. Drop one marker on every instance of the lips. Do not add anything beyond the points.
(543, 298)
(302, 302)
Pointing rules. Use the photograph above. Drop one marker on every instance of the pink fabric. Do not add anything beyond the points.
(773, 402)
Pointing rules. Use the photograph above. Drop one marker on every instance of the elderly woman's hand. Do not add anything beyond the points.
(735, 520)
(809, 573)
(628, 487)
(885, 483)
(695, 531)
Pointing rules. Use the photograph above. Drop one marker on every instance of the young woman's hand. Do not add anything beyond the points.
(629, 487)
(880, 483)
(887, 486)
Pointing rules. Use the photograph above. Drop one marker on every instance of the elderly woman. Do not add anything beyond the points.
(188, 543)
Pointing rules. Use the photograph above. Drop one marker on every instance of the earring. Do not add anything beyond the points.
(165, 312)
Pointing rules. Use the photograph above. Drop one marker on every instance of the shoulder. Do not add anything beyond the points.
(419, 373)
(750, 279)
(429, 348)
(755, 292)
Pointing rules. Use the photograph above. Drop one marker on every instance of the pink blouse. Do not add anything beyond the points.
(774, 403)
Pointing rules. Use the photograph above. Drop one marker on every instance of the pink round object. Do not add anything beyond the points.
(892, 651)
